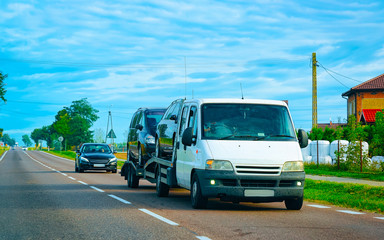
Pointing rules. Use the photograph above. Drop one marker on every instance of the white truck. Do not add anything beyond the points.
(233, 149)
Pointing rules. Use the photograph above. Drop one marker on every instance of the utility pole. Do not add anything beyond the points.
(314, 91)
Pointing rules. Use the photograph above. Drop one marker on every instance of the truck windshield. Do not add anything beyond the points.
(246, 122)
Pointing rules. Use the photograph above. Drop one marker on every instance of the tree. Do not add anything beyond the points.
(2, 86)
(356, 158)
(74, 122)
(26, 140)
(8, 140)
(377, 144)
(41, 134)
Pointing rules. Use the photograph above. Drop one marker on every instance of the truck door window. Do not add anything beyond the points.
(183, 120)
(192, 121)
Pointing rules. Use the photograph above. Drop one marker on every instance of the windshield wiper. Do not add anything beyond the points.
(242, 136)
(280, 135)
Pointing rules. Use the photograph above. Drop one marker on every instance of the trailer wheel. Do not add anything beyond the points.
(134, 180)
(162, 189)
(197, 199)
(128, 176)
(294, 204)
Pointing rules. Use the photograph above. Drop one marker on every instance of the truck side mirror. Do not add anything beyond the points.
(174, 117)
(187, 138)
(77, 150)
(139, 127)
(303, 138)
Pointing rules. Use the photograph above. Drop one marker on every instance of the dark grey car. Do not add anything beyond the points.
(95, 156)
(141, 140)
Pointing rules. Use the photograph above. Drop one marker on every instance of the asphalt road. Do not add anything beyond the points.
(41, 197)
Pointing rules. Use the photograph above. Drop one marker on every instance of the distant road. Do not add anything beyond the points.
(41, 197)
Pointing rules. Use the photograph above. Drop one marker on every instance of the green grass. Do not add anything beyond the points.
(331, 170)
(357, 196)
(65, 154)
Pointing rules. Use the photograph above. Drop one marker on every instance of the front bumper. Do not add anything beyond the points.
(228, 186)
(92, 166)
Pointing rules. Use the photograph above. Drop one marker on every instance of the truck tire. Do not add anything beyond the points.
(197, 199)
(294, 204)
(134, 180)
(162, 189)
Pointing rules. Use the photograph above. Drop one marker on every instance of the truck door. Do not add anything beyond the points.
(188, 154)
(180, 150)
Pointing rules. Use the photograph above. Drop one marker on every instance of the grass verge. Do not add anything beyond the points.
(331, 170)
(357, 196)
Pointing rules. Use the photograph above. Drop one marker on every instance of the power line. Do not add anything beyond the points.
(333, 76)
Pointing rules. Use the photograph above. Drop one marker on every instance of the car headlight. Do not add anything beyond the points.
(113, 161)
(83, 159)
(218, 165)
(294, 166)
(149, 139)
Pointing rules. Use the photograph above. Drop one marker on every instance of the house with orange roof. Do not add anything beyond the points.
(365, 99)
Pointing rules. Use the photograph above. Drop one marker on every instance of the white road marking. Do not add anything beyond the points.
(318, 206)
(202, 238)
(74, 179)
(64, 174)
(159, 217)
(1, 159)
(350, 212)
(97, 189)
(83, 183)
(381, 218)
(119, 199)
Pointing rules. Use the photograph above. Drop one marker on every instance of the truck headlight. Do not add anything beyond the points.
(149, 139)
(294, 166)
(83, 159)
(218, 165)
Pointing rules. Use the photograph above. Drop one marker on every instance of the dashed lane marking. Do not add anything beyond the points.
(74, 179)
(158, 217)
(318, 206)
(350, 212)
(119, 199)
(202, 238)
(82, 182)
(381, 218)
(97, 189)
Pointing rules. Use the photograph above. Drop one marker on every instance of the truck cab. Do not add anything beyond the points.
(239, 150)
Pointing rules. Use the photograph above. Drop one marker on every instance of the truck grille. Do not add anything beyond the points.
(258, 170)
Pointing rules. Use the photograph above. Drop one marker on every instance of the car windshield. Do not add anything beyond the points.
(96, 149)
(247, 122)
(153, 118)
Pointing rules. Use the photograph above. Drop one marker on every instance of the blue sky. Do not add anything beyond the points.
(122, 55)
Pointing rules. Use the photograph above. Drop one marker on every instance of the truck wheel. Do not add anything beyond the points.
(80, 169)
(76, 169)
(294, 204)
(162, 189)
(134, 180)
(197, 199)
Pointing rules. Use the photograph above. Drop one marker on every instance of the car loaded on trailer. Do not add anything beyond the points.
(238, 150)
